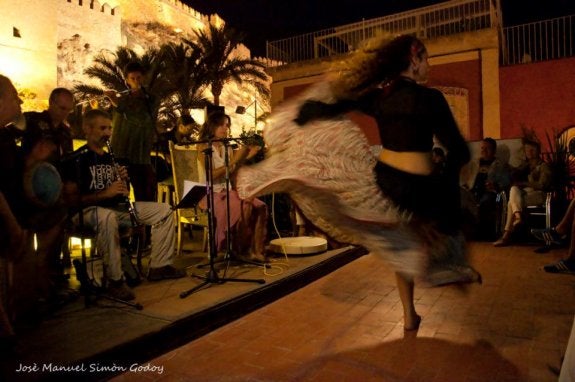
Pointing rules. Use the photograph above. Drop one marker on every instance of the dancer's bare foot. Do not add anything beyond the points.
(458, 274)
(411, 323)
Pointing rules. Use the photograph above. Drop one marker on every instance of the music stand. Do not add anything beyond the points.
(211, 276)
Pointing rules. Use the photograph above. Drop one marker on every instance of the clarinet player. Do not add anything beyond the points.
(93, 180)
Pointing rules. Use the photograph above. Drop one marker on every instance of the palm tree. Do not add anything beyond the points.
(183, 78)
(220, 65)
(108, 68)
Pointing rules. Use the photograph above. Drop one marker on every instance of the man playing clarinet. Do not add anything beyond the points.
(94, 181)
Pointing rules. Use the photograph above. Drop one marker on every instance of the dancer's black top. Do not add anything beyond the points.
(408, 116)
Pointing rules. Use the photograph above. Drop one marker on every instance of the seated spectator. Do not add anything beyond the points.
(531, 181)
(481, 180)
(248, 218)
(94, 181)
(558, 235)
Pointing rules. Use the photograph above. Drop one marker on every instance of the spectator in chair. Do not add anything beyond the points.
(531, 180)
(91, 181)
(558, 235)
(481, 180)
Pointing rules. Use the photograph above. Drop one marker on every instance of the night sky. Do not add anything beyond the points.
(270, 20)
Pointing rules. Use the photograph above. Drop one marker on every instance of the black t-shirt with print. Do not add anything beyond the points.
(92, 172)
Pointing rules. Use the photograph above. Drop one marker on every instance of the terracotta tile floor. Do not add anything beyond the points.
(347, 326)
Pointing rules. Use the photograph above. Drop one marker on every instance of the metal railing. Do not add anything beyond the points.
(438, 20)
(538, 41)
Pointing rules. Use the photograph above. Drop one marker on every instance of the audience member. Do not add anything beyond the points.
(531, 180)
(32, 289)
(53, 121)
(48, 138)
(481, 180)
(13, 238)
(557, 235)
(92, 180)
(134, 122)
(248, 218)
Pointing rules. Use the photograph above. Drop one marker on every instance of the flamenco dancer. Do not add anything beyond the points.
(393, 205)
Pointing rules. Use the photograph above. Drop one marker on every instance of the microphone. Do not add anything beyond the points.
(119, 94)
(76, 154)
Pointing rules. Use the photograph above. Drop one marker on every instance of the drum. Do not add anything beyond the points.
(42, 184)
(299, 245)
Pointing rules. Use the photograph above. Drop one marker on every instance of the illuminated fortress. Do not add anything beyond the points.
(49, 43)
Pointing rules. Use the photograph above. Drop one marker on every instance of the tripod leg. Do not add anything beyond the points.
(188, 292)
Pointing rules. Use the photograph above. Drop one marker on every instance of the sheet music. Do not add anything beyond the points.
(189, 184)
(193, 193)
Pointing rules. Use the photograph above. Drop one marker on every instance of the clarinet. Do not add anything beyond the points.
(131, 209)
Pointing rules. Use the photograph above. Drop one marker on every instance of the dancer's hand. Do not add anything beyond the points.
(252, 151)
(311, 110)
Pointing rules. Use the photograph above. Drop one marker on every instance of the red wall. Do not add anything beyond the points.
(467, 75)
(540, 96)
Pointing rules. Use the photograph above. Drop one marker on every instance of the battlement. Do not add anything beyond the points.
(96, 5)
(185, 8)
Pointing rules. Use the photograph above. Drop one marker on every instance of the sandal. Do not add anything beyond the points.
(562, 266)
(503, 242)
(549, 235)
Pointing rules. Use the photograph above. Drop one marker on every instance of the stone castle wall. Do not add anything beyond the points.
(59, 38)
(28, 39)
(84, 28)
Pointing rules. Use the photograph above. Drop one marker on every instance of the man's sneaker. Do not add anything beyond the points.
(562, 266)
(548, 235)
(117, 289)
(166, 272)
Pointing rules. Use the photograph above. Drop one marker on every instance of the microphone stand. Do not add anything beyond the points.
(212, 276)
(228, 255)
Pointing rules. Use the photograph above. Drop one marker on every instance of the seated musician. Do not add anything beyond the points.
(248, 218)
(93, 180)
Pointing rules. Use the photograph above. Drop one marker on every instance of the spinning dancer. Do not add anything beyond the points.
(401, 212)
